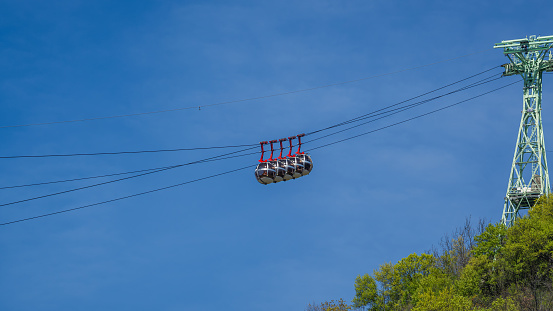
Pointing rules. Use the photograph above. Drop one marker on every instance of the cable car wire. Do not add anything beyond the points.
(394, 111)
(126, 178)
(117, 174)
(82, 178)
(245, 99)
(369, 115)
(362, 117)
(413, 118)
(235, 170)
(125, 197)
(404, 101)
(407, 107)
(121, 152)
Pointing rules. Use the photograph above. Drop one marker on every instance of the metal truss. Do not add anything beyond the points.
(529, 178)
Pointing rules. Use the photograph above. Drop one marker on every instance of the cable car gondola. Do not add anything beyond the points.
(298, 166)
(303, 158)
(265, 173)
(285, 163)
(279, 169)
(296, 162)
(289, 168)
(270, 171)
(307, 163)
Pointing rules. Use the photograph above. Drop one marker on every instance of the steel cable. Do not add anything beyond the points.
(413, 118)
(382, 111)
(122, 198)
(216, 158)
(401, 102)
(243, 100)
(394, 111)
(362, 117)
(203, 178)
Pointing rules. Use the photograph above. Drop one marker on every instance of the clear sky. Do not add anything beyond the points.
(229, 243)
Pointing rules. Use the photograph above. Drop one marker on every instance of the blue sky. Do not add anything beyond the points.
(229, 242)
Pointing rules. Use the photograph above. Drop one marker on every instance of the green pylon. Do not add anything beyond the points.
(529, 179)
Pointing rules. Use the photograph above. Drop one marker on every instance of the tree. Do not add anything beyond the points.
(396, 283)
(332, 305)
(529, 253)
(454, 251)
(444, 300)
(497, 269)
(366, 293)
(490, 241)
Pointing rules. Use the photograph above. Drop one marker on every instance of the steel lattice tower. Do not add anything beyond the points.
(529, 178)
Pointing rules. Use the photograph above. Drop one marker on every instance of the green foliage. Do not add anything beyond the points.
(504, 304)
(443, 300)
(409, 271)
(397, 283)
(501, 268)
(529, 253)
(490, 242)
(474, 276)
(332, 305)
(530, 245)
(366, 293)
(434, 282)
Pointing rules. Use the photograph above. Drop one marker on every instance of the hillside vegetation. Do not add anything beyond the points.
(488, 268)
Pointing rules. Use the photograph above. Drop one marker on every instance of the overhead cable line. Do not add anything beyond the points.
(121, 152)
(382, 111)
(216, 158)
(82, 178)
(245, 99)
(244, 145)
(401, 102)
(413, 118)
(406, 107)
(319, 147)
(114, 174)
(125, 197)
(389, 113)
(394, 111)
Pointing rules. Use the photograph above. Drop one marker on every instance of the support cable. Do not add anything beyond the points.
(369, 115)
(220, 157)
(410, 106)
(82, 178)
(404, 101)
(121, 152)
(394, 111)
(362, 117)
(125, 197)
(245, 99)
(117, 174)
(235, 170)
(413, 118)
